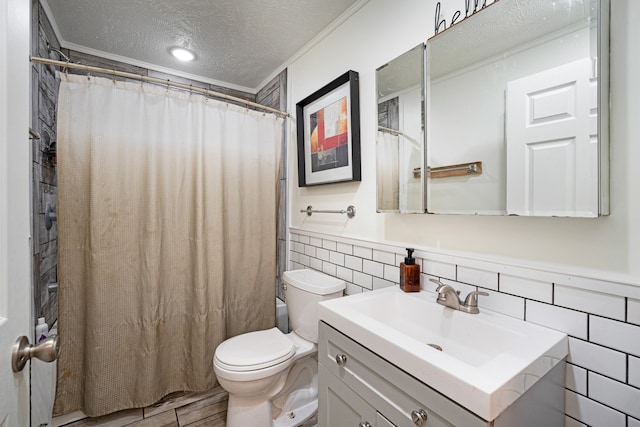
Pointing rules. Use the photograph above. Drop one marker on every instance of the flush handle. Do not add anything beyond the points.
(341, 360)
(419, 417)
(46, 350)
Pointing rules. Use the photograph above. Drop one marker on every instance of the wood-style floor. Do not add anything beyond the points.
(176, 410)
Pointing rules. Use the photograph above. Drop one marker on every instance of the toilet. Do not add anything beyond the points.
(272, 377)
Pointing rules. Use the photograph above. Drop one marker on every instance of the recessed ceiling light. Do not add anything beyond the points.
(182, 54)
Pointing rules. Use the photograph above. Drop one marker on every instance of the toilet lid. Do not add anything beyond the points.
(255, 350)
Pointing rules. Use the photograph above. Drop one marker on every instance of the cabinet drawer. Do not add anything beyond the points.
(391, 391)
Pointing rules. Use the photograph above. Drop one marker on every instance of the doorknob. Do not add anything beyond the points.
(46, 350)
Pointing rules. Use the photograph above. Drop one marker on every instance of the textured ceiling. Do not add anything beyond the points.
(239, 42)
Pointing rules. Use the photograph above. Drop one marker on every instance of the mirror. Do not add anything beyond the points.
(400, 144)
(517, 101)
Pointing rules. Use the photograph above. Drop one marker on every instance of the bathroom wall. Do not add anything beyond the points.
(577, 275)
(381, 31)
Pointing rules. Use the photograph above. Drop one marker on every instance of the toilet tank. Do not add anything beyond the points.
(305, 289)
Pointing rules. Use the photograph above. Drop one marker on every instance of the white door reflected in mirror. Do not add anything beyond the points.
(526, 94)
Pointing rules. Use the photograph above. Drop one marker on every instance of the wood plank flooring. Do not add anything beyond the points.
(180, 409)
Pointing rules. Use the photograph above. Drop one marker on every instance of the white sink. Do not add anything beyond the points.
(487, 360)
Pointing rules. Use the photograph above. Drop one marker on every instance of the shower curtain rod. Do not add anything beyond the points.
(91, 69)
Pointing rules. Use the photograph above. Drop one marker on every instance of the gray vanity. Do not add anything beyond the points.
(382, 370)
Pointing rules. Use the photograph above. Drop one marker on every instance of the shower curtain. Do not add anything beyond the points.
(167, 211)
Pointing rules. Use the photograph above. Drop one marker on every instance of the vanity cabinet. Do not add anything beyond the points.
(360, 389)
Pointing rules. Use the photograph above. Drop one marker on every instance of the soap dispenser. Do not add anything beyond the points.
(409, 273)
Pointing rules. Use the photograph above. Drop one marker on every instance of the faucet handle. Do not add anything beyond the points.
(472, 299)
(440, 285)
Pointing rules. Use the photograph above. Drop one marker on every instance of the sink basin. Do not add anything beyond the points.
(483, 361)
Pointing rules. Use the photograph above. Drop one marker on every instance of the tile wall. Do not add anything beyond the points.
(601, 318)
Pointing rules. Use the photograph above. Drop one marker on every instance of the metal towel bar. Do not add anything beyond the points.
(350, 211)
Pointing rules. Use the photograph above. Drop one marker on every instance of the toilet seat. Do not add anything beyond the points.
(254, 351)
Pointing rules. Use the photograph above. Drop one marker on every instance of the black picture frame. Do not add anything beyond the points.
(328, 133)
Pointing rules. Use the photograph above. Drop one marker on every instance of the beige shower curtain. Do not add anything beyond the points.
(167, 210)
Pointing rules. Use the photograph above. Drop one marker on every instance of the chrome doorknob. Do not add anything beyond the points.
(47, 351)
(364, 424)
(341, 359)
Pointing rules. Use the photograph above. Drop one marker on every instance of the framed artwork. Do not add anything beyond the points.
(328, 124)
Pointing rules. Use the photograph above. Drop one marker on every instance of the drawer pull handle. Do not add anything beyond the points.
(419, 417)
(341, 360)
(364, 424)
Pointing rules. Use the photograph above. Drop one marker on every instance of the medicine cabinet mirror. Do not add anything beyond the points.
(400, 144)
(517, 108)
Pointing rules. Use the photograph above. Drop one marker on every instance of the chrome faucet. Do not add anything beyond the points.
(449, 297)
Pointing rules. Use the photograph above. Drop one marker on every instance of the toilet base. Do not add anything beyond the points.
(297, 417)
(244, 411)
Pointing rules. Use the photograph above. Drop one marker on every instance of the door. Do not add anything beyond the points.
(551, 135)
(15, 217)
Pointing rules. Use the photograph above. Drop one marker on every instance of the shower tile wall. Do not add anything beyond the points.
(44, 95)
(43, 115)
(603, 370)
(274, 95)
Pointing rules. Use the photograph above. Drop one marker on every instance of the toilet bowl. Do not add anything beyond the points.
(271, 377)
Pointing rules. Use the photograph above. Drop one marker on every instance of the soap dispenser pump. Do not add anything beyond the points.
(410, 273)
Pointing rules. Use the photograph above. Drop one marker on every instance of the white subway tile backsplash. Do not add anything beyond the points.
(329, 269)
(336, 258)
(310, 250)
(315, 263)
(439, 269)
(293, 237)
(503, 303)
(366, 253)
(571, 322)
(615, 394)
(576, 379)
(323, 254)
(314, 241)
(632, 422)
(344, 248)
(329, 244)
(633, 311)
(384, 257)
(591, 412)
(352, 289)
(373, 268)
(298, 247)
(381, 283)
(634, 371)
(362, 279)
(392, 273)
(304, 239)
(599, 359)
(344, 274)
(593, 302)
(477, 277)
(293, 256)
(353, 262)
(617, 335)
(304, 260)
(531, 289)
